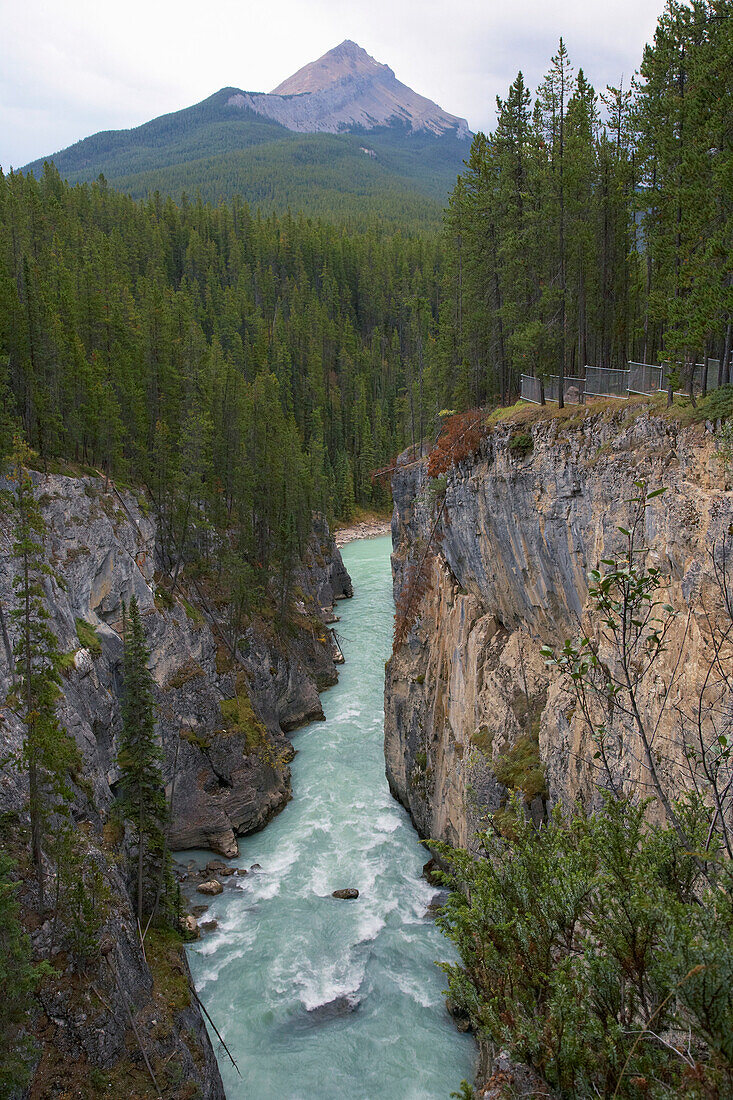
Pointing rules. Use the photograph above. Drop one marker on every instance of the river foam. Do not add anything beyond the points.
(315, 996)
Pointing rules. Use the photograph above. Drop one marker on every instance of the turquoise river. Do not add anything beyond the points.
(319, 998)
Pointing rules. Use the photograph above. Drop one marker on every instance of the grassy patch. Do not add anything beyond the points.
(65, 662)
(483, 739)
(503, 412)
(224, 661)
(239, 718)
(521, 769)
(192, 612)
(163, 599)
(526, 414)
(200, 741)
(187, 672)
(88, 637)
(163, 950)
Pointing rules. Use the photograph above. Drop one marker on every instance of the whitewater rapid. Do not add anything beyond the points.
(319, 998)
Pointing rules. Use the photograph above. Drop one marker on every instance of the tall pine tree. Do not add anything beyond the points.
(143, 803)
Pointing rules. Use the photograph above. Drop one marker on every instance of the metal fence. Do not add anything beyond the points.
(606, 382)
(531, 389)
(649, 379)
(642, 378)
(573, 389)
(645, 378)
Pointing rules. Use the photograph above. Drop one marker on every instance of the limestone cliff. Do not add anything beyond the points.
(221, 723)
(468, 692)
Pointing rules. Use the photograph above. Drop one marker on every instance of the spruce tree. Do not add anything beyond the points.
(139, 759)
(48, 752)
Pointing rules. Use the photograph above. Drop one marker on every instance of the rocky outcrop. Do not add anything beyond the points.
(221, 724)
(347, 89)
(468, 694)
(101, 544)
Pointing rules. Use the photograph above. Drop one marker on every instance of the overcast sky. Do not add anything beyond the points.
(69, 68)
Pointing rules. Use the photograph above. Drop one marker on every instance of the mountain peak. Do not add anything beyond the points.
(347, 88)
(343, 62)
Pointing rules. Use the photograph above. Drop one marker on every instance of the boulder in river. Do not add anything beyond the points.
(213, 887)
(349, 894)
(461, 1018)
(189, 927)
(428, 872)
(209, 925)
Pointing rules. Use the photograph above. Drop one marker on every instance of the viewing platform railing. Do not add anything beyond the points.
(639, 378)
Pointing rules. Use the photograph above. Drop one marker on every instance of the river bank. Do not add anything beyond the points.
(362, 529)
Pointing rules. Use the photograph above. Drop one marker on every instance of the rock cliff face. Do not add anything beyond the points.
(468, 692)
(225, 766)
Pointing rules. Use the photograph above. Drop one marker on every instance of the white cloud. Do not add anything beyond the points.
(71, 67)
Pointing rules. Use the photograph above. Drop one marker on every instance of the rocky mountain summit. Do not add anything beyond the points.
(303, 146)
(347, 89)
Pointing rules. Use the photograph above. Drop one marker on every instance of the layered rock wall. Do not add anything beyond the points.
(223, 778)
(517, 537)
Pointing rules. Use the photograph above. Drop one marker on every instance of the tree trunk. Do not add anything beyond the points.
(34, 787)
(140, 861)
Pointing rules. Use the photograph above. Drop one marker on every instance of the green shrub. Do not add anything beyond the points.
(436, 490)
(521, 444)
(483, 739)
(240, 718)
(163, 599)
(718, 404)
(88, 637)
(521, 769)
(585, 941)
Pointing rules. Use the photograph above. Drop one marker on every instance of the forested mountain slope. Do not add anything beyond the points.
(235, 365)
(356, 142)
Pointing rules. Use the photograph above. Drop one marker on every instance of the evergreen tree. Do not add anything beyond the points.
(18, 979)
(142, 803)
(48, 751)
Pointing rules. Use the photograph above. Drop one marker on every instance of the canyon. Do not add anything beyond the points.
(225, 767)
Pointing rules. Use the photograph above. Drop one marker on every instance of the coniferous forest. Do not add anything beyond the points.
(596, 228)
(240, 370)
(185, 344)
(245, 370)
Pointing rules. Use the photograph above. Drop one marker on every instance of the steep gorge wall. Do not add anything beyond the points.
(517, 538)
(221, 780)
